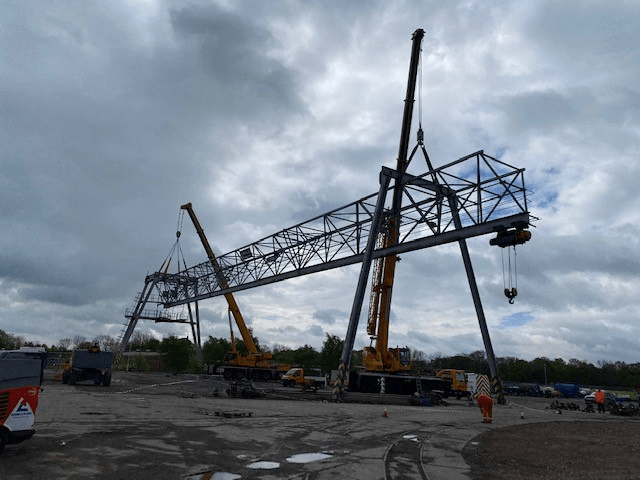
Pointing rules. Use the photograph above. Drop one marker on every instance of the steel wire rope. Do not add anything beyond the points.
(515, 268)
(512, 286)
(420, 60)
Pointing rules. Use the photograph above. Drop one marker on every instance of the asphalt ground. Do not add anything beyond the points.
(156, 426)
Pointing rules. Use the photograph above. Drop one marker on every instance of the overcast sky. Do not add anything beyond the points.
(266, 114)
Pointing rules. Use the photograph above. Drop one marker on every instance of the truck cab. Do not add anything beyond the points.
(296, 377)
(458, 379)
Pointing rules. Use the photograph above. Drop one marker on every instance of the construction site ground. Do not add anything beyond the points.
(156, 426)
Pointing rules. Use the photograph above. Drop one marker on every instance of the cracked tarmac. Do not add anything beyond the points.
(150, 426)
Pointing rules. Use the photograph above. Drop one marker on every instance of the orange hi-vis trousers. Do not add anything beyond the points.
(485, 402)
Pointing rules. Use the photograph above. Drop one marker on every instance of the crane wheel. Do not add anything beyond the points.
(4, 438)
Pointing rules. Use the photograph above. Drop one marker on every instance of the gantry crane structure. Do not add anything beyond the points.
(472, 196)
(159, 313)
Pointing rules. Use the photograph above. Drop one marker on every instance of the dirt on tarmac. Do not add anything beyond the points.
(157, 426)
(580, 450)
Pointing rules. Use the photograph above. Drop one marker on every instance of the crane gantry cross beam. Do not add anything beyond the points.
(490, 196)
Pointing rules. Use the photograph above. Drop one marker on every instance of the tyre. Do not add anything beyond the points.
(73, 378)
(106, 379)
(65, 376)
(4, 438)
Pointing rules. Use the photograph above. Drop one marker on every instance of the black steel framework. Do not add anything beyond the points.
(490, 196)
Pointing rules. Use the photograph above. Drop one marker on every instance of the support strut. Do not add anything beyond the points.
(354, 318)
(475, 294)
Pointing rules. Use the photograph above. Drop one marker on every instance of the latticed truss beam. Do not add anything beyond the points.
(490, 196)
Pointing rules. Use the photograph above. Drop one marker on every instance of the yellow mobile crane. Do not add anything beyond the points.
(380, 358)
(386, 370)
(254, 365)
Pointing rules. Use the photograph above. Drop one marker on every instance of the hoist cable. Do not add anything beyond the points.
(515, 268)
(420, 89)
(180, 222)
(510, 270)
(504, 276)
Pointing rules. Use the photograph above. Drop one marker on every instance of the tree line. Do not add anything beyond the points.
(179, 354)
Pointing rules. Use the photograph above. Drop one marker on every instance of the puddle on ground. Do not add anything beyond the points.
(263, 465)
(225, 476)
(213, 476)
(308, 457)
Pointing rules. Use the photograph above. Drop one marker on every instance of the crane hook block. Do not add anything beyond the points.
(508, 238)
(510, 294)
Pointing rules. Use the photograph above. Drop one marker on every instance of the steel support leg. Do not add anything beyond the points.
(475, 294)
(142, 301)
(194, 325)
(354, 318)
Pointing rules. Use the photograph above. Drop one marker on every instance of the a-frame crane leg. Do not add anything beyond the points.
(142, 301)
(195, 330)
(493, 365)
(475, 294)
(354, 318)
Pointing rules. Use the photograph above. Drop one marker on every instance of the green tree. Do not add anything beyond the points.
(139, 363)
(283, 355)
(307, 357)
(178, 354)
(144, 341)
(214, 350)
(10, 342)
(331, 352)
(419, 361)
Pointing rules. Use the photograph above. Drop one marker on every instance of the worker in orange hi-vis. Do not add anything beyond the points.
(599, 398)
(485, 402)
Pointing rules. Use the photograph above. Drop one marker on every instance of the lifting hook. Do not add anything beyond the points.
(510, 294)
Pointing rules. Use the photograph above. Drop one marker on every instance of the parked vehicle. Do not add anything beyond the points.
(610, 399)
(91, 364)
(458, 379)
(21, 374)
(296, 377)
(568, 390)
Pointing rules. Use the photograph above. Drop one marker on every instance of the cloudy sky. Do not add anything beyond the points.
(266, 114)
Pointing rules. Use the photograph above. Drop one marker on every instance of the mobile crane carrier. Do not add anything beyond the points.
(388, 370)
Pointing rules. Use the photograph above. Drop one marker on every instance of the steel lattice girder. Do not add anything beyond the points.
(488, 194)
